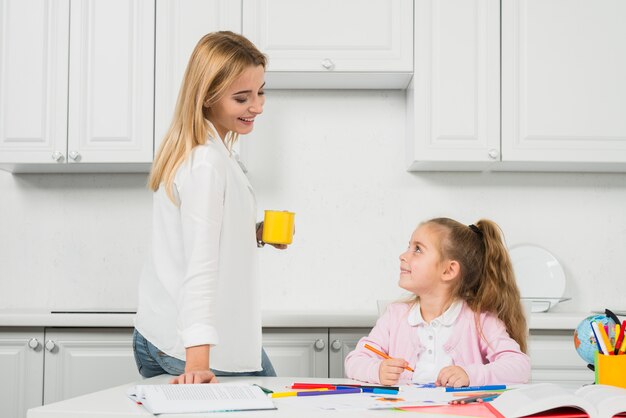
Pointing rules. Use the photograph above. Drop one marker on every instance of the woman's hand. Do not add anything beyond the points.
(390, 370)
(194, 376)
(259, 237)
(452, 376)
(196, 366)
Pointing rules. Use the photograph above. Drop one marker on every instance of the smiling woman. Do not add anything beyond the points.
(204, 227)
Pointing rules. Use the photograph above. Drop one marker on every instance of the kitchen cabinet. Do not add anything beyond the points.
(44, 365)
(310, 352)
(76, 85)
(563, 85)
(562, 98)
(554, 359)
(330, 44)
(21, 362)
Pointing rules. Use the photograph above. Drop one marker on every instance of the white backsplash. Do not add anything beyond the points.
(335, 158)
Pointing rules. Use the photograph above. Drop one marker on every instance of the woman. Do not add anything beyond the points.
(199, 311)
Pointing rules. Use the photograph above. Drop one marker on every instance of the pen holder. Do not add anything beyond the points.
(610, 370)
(278, 227)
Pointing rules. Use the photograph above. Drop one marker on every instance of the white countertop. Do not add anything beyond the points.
(113, 403)
(271, 319)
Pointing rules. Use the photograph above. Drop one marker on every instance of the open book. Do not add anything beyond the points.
(597, 401)
(173, 399)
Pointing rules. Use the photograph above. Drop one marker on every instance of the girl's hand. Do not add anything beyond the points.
(390, 370)
(452, 376)
(194, 376)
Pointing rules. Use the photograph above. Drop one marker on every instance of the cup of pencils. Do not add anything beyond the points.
(610, 359)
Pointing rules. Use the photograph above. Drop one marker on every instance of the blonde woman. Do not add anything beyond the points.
(199, 311)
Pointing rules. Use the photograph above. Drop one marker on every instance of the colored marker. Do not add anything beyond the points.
(596, 335)
(330, 392)
(384, 355)
(605, 339)
(338, 385)
(475, 388)
(295, 392)
(620, 336)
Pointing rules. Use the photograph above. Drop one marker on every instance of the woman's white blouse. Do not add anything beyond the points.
(200, 285)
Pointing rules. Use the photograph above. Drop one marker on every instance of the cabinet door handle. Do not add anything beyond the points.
(336, 345)
(328, 64)
(493, 153)
(50, 345)
(57, 156)
(319, 344)
(33, 343)
(74, 156)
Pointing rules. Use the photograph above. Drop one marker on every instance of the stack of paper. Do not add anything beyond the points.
(173, 399)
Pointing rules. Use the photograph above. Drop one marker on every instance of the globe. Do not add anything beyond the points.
(584, 340)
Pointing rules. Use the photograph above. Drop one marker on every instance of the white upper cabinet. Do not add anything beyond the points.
(333, 44)
(563, 87)
(34, 38)
(180, 25)
(564, 83)
(76, 102)
(453, 102)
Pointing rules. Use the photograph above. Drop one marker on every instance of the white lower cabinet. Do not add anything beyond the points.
(21, 362)
(86, 360)
(554, 358)
(310, 352)
(44, 365)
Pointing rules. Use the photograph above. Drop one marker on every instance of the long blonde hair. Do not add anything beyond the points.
(217, 61)
(487, 282)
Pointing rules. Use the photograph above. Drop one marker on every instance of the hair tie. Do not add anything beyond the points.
(475, 229)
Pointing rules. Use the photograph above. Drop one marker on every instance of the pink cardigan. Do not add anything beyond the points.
(497, 361)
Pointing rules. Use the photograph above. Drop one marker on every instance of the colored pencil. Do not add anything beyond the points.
(336, 385)
(384, 355)
(475, 388)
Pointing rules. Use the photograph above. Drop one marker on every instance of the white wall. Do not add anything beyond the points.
(336, 159)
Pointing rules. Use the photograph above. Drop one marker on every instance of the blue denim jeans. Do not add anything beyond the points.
(152, 362)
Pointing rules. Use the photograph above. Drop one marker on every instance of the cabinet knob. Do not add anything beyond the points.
(336, 345)
(50, 345)
(320, 344)
(74, 155)
(33, 343)
(328, 64)
(57, 156)
(493, 154)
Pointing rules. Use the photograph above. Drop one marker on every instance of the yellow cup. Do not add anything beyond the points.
(610, 370)
(278, 227)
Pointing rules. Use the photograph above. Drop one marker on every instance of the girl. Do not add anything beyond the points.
(199, 310)
(465, 325)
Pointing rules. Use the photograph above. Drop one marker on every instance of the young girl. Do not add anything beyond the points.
(465, 325)
(199, 311)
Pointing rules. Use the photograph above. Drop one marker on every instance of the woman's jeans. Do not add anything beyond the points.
(152, 362)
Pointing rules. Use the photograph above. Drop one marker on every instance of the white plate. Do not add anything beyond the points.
(539, 275)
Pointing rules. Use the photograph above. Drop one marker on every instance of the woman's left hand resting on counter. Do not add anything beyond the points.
(196, 367)
(452, 376)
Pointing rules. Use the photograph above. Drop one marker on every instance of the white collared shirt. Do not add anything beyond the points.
(200, 284)
(432, 337)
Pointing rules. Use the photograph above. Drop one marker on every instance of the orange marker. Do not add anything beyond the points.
(383, 355)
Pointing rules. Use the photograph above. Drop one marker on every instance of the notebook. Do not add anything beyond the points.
(549, 399)
(198, 398)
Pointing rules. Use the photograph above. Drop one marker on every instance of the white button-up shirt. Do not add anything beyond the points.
(432, 337)
(200, 285)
